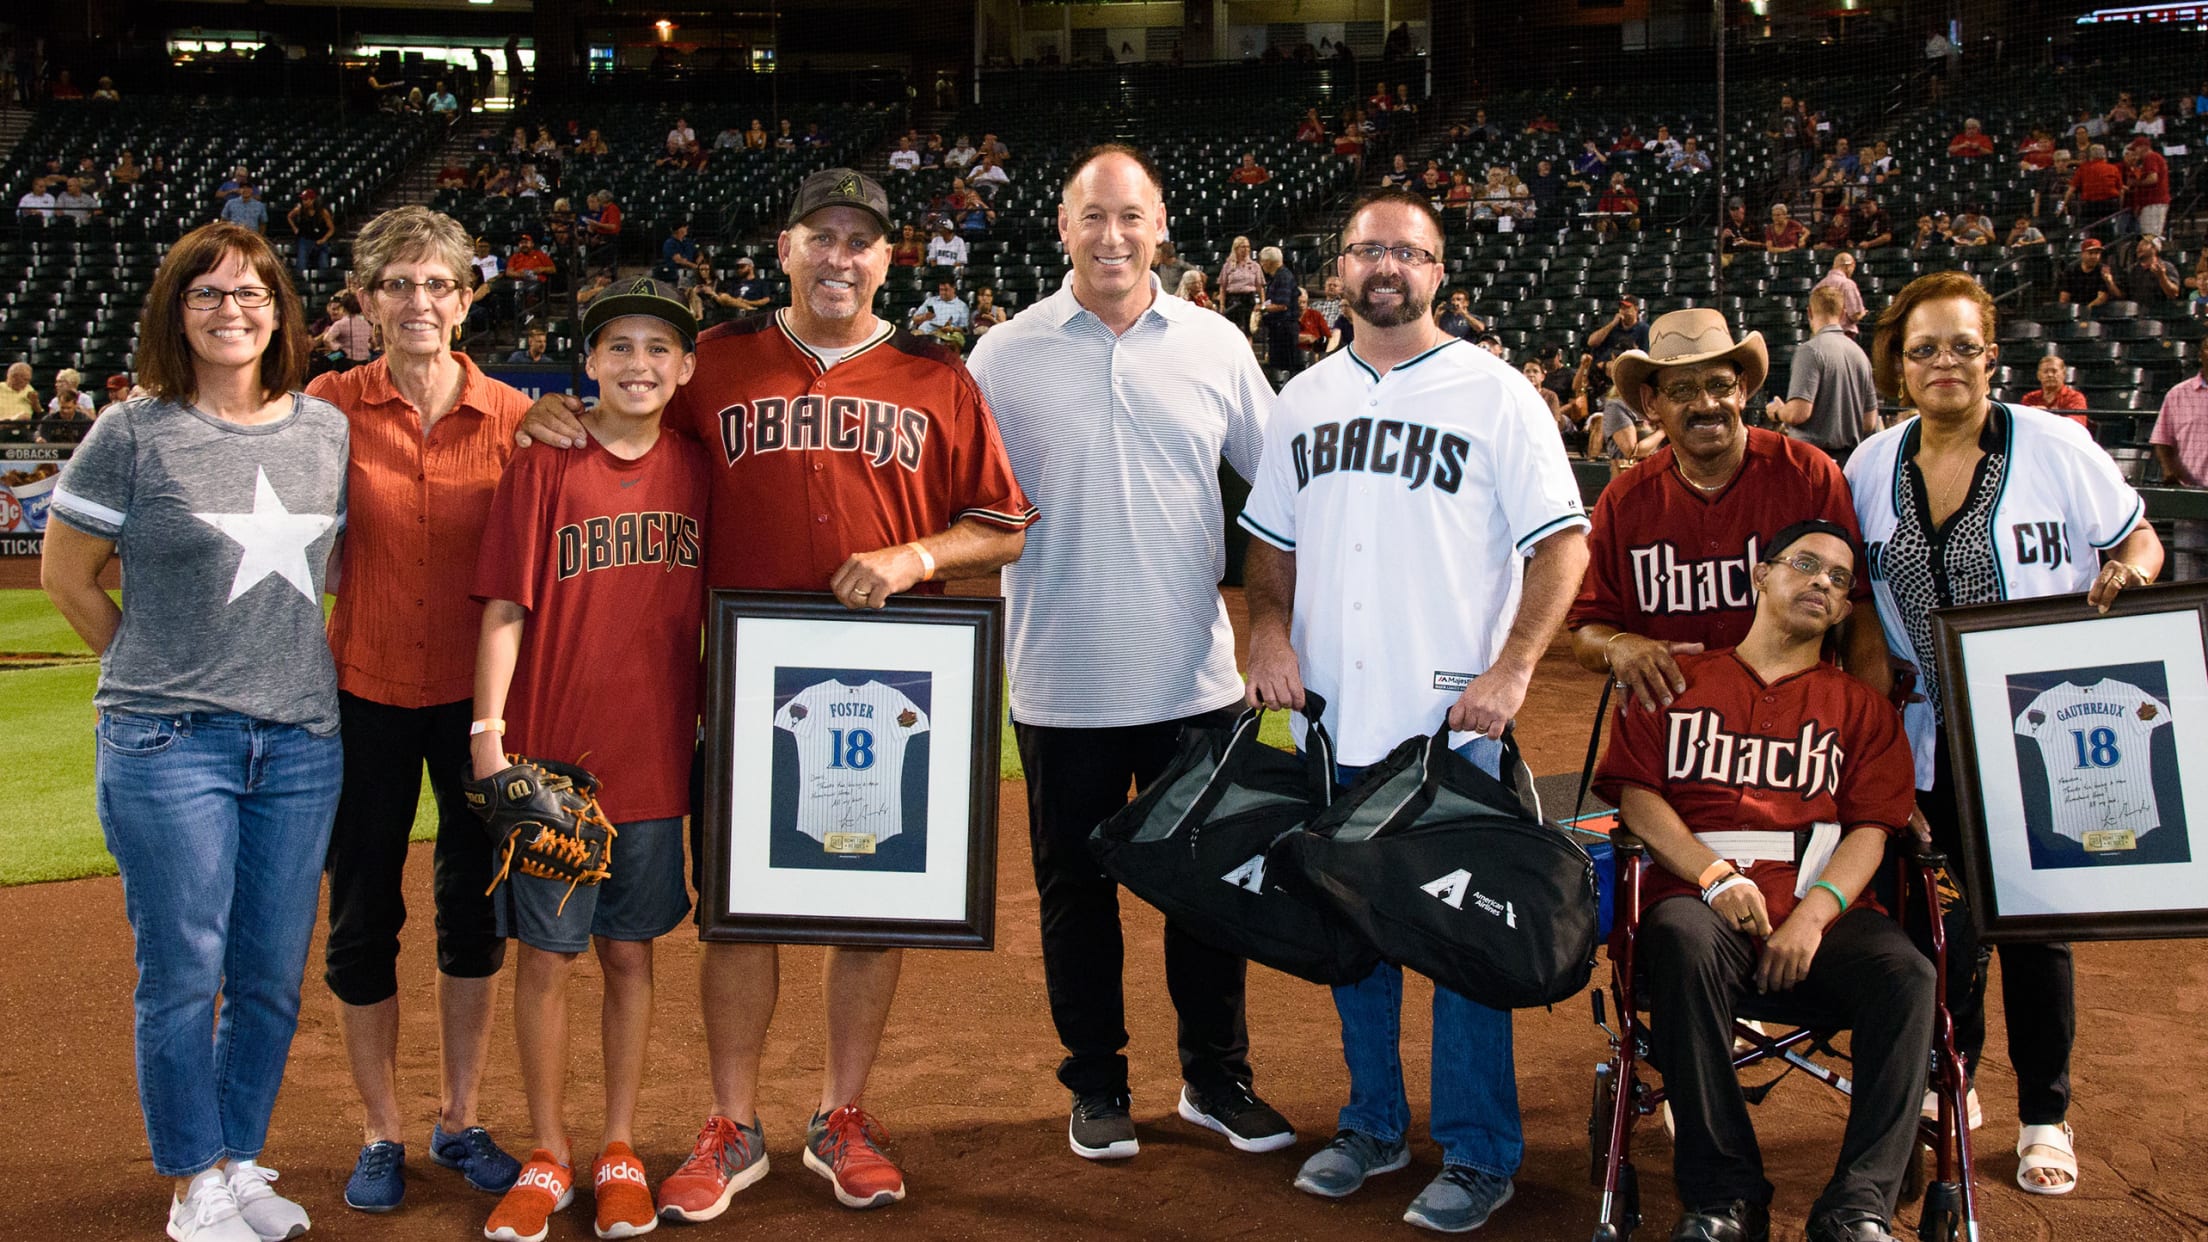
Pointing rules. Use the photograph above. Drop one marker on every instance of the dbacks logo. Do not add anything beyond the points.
(1698, 747)
(879, 429)
(669, 539)
(1385, 446)
(1665, 583)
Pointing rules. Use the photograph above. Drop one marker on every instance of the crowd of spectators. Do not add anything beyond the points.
(61, 417)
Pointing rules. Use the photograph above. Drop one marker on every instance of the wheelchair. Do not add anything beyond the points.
(1623, 1093)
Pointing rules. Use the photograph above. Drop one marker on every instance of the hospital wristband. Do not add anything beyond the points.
(927, 560)
(1830, 887)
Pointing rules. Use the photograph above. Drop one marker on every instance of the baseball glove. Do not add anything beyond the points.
(544, 817)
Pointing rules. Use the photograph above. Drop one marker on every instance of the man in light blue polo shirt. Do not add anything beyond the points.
(1117, 403)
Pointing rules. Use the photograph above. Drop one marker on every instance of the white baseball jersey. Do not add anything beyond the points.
(2052, 500)
(2096, 743)
(1411, 501)
(851, 760)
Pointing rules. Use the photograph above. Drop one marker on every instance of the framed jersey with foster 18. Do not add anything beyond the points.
(2079, 744)
(850, 771)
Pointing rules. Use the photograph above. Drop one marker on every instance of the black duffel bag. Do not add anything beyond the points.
(1443, 870)
(1196, 844)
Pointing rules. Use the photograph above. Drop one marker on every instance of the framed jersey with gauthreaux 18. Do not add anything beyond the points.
(850, 770)
(2079, 743)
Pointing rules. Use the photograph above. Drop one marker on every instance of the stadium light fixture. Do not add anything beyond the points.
(665, 28)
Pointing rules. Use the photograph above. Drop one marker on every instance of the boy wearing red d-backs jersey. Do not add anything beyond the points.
(1728, 785)
(593, 589)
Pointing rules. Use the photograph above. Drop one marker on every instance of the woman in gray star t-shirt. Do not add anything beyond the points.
(223, 494)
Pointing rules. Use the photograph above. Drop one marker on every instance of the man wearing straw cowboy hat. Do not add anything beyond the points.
(1675, 541)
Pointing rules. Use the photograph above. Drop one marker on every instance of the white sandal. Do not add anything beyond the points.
(2056, 1139)
(1932, 1107)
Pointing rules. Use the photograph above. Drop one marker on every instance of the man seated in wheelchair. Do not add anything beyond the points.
(1741, 786)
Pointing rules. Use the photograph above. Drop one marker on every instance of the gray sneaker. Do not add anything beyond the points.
(1342, 1166)
(1101, 1128)
(1458, 1201)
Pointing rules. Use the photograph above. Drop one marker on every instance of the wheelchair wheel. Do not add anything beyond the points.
(1942, 1218)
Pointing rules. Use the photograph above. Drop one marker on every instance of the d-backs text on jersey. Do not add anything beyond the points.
(1381, 446)
(1698, 747)
(669, 539)
(1664, 582)
(880, 429)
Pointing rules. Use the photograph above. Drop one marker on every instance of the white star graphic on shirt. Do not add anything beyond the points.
(275, 540)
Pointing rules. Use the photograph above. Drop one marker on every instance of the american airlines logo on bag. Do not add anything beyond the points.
(1452, 889)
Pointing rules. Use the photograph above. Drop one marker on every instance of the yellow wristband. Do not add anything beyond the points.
(927, 560)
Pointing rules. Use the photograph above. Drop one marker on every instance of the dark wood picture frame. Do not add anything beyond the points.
(1950, 626)
(725, 610)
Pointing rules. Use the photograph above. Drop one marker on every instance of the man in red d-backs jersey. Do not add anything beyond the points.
(1677, 538)
(1766, 792)
(849, 456)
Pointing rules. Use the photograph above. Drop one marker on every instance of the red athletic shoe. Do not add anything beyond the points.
(845, 1147)
(624, 1197)
(727, 1158)
(525, 1214)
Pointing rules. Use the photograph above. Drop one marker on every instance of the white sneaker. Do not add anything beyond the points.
(271, 1216)
(208, 1212)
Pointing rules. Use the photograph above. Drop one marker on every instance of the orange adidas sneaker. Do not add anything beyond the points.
(525, 1214)
(624, 1198)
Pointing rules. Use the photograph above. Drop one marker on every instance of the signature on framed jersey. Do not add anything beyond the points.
(850, 771)
(2070, 733)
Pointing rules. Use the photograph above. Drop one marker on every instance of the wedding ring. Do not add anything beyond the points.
(863, 592)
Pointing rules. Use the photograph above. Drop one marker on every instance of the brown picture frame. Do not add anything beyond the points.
(2034, 641)
(960, 641)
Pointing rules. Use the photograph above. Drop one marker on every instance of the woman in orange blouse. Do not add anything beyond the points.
(430, 436)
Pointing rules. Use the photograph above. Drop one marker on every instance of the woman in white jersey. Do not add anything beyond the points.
(1972, 501)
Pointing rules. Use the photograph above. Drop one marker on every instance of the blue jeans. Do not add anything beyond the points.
(219, 824)
(313, 255)
(1474, 1083)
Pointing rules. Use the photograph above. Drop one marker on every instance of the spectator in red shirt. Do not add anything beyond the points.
(1619, 207)
(1785, 232)
(602, 225)
(529, 262)
(1312, 129)
(1972, 142)
(2147, 186)
(2054, 393)
(1249, 171)
(2097, 188)
(2037, 151)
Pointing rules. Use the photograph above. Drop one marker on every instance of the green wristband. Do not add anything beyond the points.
(1830, 887)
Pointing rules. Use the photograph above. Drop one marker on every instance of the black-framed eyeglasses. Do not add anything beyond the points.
(437, 287)
(1373, 252)
(1963, 351)
(1809, 565)
(1684, 392)
(248, 297)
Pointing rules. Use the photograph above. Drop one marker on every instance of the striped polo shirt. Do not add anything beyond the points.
(1114, 610)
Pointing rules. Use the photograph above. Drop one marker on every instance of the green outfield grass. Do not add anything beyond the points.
(46, 750)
